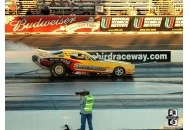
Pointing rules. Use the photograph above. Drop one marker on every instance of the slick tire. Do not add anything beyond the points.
(58, 70)
(93, 74)
(119, 72)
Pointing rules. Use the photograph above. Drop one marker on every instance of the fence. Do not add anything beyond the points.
(110, 7)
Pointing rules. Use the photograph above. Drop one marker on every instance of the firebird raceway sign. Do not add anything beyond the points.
(71, 24)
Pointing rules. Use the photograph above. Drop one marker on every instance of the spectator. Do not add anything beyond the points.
(80, 5)
(52, 3)
(97, 16)
(42, 5)
(29, 12)
(12, 7)
(151, 12)
(166, 12)
(133, 12)
(119, 13)
(138, 12)
(61, 3)
(71, 3)
(72, 13)
(181, 13)
(45, 11)
(86, 12)
(18, 7)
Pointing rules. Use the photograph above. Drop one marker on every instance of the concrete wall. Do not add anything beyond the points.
(102, 119)
(25, 56)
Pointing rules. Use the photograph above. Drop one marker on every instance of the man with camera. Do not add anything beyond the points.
(86, 102)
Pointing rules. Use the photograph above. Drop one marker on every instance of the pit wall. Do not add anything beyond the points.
(137, 55)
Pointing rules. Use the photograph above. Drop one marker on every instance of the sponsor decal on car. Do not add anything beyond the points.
(89, 67)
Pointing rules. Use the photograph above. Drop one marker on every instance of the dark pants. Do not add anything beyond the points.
(85, 117)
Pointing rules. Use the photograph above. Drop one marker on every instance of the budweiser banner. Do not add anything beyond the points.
(55, 23)
(51, 24)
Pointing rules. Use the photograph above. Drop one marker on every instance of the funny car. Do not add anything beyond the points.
(69, 61)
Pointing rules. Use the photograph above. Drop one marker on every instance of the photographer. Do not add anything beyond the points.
(86, 102)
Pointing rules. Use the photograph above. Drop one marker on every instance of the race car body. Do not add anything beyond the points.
(67, 61)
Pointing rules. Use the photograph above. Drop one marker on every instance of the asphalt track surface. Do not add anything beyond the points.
(153, 72)
(154, 86)
(157, 85)
(102, 41)
(101, 102)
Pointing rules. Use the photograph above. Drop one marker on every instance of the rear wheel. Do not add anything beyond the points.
(58, 69)
(119, 71)
(93, 74)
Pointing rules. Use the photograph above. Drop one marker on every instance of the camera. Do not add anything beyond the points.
(83, 93)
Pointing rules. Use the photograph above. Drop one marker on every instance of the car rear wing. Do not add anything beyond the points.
(43, 53)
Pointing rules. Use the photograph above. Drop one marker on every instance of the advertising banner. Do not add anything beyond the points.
(51, 23)
(144, 23)
(135, 56)
(115, 23)
(71, 24)
(173, 23)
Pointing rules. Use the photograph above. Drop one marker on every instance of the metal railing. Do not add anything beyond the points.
(112, 7)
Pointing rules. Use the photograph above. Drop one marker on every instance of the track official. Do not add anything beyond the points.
(86, 102)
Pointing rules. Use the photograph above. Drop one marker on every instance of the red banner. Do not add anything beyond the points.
(71, 24)
(51, 24)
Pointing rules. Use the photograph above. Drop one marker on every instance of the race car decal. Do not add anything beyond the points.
(67, 62)
(89, 67)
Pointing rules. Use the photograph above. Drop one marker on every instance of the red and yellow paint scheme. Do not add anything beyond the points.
(68, 61)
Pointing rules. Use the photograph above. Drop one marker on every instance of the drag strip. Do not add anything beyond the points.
(154, 85)
(101, 42)
(153, 72)
(157, 85)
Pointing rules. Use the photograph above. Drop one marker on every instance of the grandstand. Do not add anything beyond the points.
(110, 7)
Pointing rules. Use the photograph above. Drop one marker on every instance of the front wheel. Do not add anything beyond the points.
(58, 69)
(118, 71)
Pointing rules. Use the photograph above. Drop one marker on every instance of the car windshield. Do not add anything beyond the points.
(56, 52)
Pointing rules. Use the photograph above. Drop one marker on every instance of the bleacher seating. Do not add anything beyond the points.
(29, 4)
(178, 5)
(23, 6)
(111, 7)
(7, 4)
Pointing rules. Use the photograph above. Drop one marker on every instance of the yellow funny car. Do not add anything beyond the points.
(68, 61)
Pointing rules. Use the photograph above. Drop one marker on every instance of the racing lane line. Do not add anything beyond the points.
(58, 83)
(115, 94)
